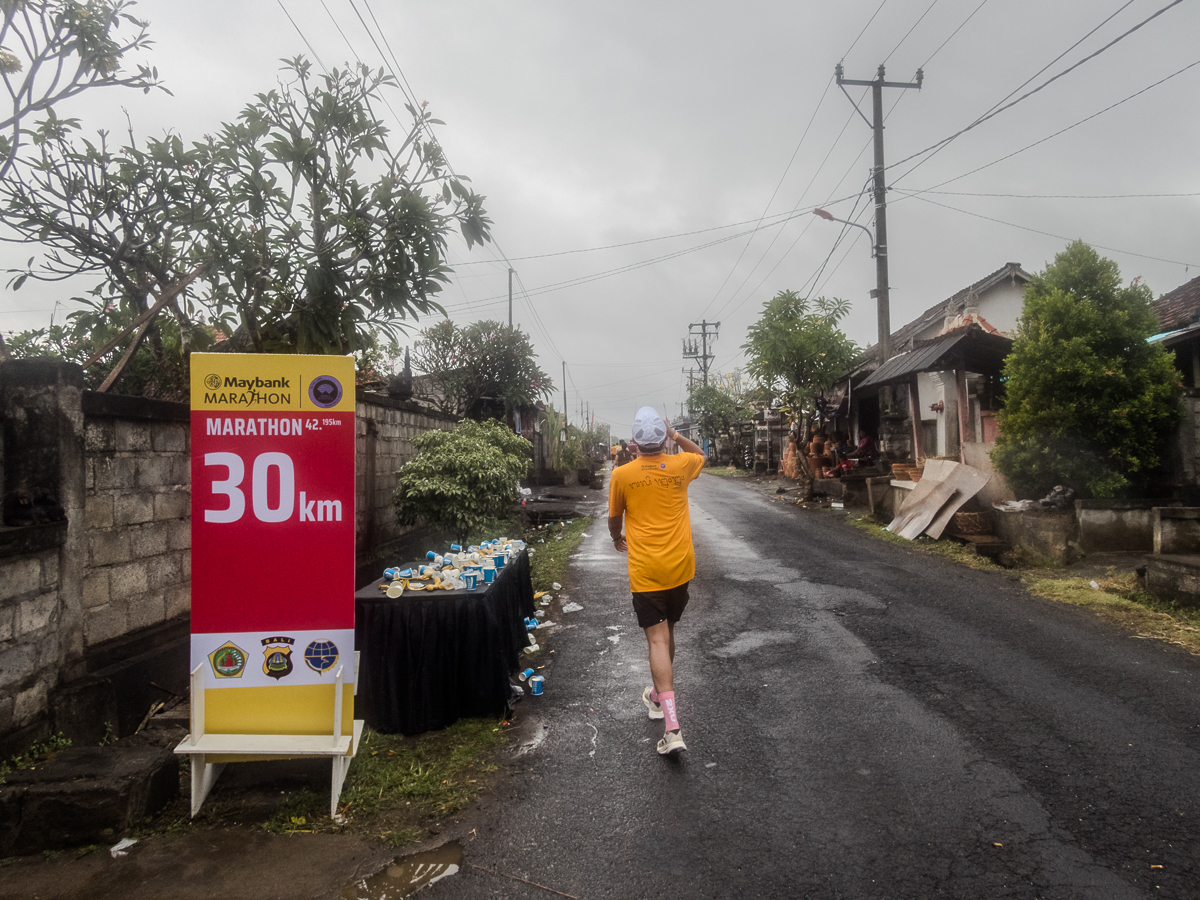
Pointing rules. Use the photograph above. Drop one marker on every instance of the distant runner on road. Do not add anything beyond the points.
(649, 497)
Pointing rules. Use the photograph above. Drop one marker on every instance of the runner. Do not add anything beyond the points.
(649, 496)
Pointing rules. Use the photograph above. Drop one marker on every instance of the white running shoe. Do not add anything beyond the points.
(653, 708)
(672, 742)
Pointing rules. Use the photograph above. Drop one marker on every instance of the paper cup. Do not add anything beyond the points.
(489, 575)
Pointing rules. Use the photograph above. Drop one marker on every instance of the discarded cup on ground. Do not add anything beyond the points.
(532, 648)
(556, 586)
(532, 639)
(526, 674)
(536, 685)
(530, 624)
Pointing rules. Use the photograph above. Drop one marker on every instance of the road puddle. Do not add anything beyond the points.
(406, 875)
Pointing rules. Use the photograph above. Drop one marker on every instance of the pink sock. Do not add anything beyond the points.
(653, 695)
(671, 721)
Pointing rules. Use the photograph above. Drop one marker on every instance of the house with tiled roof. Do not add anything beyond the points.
(1178, 314)
(955, 347)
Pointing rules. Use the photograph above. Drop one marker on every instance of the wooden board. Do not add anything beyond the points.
(967, 482)
(920, 508)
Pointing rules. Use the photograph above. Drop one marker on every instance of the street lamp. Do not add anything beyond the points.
(880, 293)
(826, 214)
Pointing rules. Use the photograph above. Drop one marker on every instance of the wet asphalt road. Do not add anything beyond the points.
(862, 722)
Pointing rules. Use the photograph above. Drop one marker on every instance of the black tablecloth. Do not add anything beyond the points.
(431, 659)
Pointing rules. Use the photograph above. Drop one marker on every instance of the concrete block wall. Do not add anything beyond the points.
(29, 619)
(384, 432)
(138, 518)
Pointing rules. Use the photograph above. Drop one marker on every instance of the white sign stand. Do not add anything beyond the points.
(209, 752)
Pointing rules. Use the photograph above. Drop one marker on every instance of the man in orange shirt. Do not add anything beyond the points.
(649, 496)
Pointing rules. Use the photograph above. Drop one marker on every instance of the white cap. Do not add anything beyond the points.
(648, 427)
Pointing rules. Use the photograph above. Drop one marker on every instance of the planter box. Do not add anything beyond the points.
(1117, 525)
(1051, 533)
(1176, 529)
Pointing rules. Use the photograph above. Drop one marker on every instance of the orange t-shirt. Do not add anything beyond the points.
(652, 492)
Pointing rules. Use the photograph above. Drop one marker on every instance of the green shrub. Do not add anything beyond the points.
(461, 479)
(1089, 403)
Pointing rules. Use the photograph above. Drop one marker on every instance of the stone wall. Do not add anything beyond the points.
(137, 515)
(88, 605)
(384, 431)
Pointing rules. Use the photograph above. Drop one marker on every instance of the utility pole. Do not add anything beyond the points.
(564, 394)
(881, 257)
(510, 275)
(700, 352)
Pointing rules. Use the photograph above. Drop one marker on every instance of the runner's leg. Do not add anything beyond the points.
(662, 646)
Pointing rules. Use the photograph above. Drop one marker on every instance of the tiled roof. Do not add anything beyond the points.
(902, 337)
(1178, 307)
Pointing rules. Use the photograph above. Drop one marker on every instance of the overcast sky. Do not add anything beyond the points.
(675, 128)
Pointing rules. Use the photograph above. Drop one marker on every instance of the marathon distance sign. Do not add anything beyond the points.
(272, 457)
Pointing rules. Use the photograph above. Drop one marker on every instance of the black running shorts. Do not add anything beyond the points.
(654, 606)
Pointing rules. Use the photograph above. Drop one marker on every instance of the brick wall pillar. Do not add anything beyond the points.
(40, 401)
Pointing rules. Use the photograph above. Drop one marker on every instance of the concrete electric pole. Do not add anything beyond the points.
(881, 257)
(700, 353)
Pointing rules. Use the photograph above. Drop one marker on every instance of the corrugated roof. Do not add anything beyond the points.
(978, 350)
(1179, 307)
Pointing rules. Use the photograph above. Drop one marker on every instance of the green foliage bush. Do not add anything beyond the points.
(461, 479)
(1089, 403)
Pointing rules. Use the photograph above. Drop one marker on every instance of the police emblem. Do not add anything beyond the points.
(321, 656)
(277, 662)
(228, 660)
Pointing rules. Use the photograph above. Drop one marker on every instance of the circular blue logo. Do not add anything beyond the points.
(325, 391)
(321, 656)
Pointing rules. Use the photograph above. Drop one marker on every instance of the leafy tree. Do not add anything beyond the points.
(481, 361)
(462, 479)
(1089, 403)
(314, 254)
(52, 50)
(721, 404)
(298, 228)
(796, 349)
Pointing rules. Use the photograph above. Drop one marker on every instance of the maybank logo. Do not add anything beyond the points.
(247, 391)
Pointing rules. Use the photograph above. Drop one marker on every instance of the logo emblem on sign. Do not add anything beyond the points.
(212, 382)
(325, 391)
(321, 656)
(228, 660)
(277, 662)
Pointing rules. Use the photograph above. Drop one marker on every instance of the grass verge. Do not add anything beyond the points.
(726, 472)
(398, 788)
(552, 546)
(1117, 597)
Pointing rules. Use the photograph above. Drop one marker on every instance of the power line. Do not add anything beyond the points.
(864, 29)
(995, 111)
(1047, 233)
(775, 192)
(952, 34)
(910, 31)
(1068, 128)
(1054, 196)
(310, 47)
